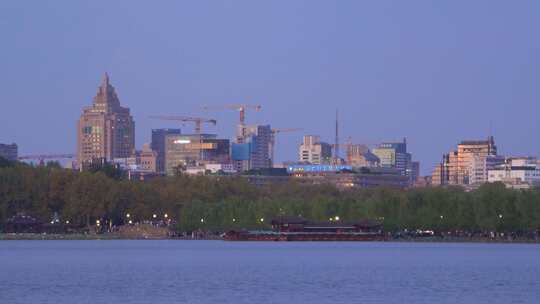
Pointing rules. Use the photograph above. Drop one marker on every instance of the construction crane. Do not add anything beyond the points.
(197, 120)
(42, 157)
(242, 122)
(238, 107)
(273, 139)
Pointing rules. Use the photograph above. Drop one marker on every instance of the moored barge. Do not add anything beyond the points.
(300, 229)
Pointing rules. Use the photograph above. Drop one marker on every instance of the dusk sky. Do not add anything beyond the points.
(436, 72)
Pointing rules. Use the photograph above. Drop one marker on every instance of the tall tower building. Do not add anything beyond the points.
(106, 130)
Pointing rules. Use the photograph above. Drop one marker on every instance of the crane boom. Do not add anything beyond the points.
(238, 107)
(197, 120)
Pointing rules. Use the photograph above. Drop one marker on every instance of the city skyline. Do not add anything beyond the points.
(456, 79)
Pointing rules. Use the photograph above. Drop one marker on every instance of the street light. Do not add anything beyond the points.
(262, 219)
(234, 220)
(166, 215)
(500, 216)
(128, 215)
(98, 222)
(336, 218)
(202, 220)
(154, 215)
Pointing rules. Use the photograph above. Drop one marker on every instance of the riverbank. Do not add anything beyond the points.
(115, 236)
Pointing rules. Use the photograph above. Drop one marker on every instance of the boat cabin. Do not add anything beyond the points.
(298, 224)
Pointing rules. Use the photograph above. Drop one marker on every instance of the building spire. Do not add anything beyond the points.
(105, 80)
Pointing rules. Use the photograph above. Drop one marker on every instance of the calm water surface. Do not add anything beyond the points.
(266, 272)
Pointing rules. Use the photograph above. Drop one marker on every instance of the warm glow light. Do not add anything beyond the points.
(234, 220)
(336, 218)
(182, 141)
(154, 215)
(130, 222)
(128, 215)
(330, 219)
(166, 215)
(67, 222)
(97, 222)
(500, 216)
(202, 220)
(262, 219)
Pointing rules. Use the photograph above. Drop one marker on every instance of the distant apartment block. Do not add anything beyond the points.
(314, 151)
(468, 164)
(9, 151)
(105, 130)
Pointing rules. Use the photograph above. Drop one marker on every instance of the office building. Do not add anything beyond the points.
(158, 145)
(9, 152)
(106, 130)
(194, 150)
(395, 155)
(314, 151)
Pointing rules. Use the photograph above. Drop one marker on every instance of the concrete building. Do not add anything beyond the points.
(158, 144)
(480, 165)
(9, 152)
(253, 152)
(468, 151)
(314, 151)
(105, 130)
(518, 173)
(415, 171)
(361, 156)
(194, 150)
(464, 166)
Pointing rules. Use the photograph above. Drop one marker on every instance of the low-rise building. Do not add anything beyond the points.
(314, 151)
(522, 172)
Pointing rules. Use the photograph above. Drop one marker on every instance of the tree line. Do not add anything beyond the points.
(229, 202)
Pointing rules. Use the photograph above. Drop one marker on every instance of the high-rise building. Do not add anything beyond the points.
(395, 155)
(314, 151)
(158, 144)
(467, 151)
(9, 152)
(106, 130)
(252, 151)
(468, 164)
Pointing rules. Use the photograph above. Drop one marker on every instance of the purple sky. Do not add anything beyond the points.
(433, 71)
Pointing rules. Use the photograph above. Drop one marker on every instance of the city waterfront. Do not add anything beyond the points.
(171, 271)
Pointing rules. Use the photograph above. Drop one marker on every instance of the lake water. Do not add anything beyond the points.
(266, 272)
